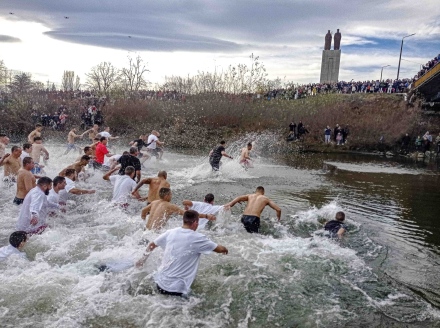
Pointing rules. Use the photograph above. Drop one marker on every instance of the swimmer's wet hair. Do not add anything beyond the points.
(14, 148)
(222, 142)
(340, 216)
(57, 180)
(164, 192)
(249, 144)
(209, 198)
(129, 170)
(44, 181)
(162, 174)
(260, 188)
(17, 237)
(27, 146)
(133, 150)
(2, 135)
(27, 160)
(38, 125)
(102, 139)
(87, 148)
(190, 216)
(37, 138)
(85, 158)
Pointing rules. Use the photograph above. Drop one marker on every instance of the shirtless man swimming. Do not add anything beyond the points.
(161, 210)
(245, 159)
(255, 205)
(12, 164)
(155, 185)
(25, 180)
(35, 133)
(38, 150)
(71, 141)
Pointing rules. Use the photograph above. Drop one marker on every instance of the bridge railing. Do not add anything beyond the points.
(428, 75)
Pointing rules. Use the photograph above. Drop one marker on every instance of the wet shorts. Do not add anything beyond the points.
(36, 169)
(251, 223)
(165, 292)
(18, 201)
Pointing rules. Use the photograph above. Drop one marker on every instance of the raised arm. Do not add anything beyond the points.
(108, 174)
(276, 208)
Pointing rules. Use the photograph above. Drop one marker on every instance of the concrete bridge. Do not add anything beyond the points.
(428, 87)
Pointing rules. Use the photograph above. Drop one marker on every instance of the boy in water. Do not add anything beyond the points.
(17, 241)
(337, 227)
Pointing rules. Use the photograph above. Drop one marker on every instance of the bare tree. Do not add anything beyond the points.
(67, 80)
(77, 83)
(3, 73)
(102, 78)
(132, 78)
(21, 84)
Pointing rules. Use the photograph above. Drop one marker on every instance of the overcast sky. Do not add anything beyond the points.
(183, 37)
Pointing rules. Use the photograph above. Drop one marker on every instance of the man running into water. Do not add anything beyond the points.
(4, 141)
(33, 213)
(205, 207)
(12, 163)
(71, 141)
(38, 150)
(17, 241)
(255, 205)
(153, 143)
(78, 166)
(155, 185)
(25, 180)
(35, 133)
(71, 188)
(101, 151)
(59, 183)
(87, 151)
(245, 159)
(92, 132)
(140, 143)
(123, 185)
(130, 159)
(215, 155)
(161, 210)
(26, 151)
(182, 249)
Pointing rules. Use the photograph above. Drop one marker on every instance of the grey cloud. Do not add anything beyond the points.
(208, 25)
(8, 38)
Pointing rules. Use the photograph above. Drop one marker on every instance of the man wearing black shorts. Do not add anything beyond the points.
(255, 205)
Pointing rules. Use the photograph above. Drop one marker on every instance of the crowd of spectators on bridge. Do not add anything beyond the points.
(427, 67)
(343, 87)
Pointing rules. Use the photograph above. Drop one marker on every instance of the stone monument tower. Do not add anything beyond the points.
(331, 59)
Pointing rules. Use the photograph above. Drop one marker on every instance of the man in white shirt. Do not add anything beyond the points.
(205, 207)
(123, 185)
(153, 142)
(17, 241)
(106, 133)
(33, 213)
(59, 183)
(182, 249)
(70, 187)
(26, 151)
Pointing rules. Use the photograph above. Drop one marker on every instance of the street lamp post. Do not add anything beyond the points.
(400, 57)
(381, 71)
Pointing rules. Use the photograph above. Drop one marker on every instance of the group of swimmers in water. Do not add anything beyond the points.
(40, 197)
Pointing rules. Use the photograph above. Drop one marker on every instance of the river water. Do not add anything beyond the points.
(382, 274)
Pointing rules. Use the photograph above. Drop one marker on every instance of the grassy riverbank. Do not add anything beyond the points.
(202, 120)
